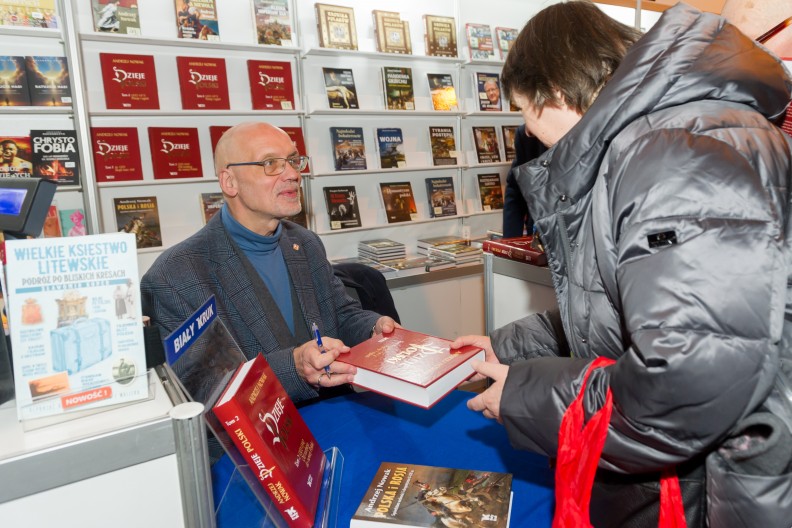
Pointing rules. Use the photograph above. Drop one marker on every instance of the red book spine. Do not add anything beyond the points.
(515, 253)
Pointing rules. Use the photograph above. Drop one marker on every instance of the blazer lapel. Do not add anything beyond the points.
(300, 273)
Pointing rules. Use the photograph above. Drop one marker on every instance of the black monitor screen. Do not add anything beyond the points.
(11, 201)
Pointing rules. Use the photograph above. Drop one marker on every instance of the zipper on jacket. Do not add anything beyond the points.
(567, 250)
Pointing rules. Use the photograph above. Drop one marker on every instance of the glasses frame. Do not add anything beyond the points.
(303, 162)
(764, 37)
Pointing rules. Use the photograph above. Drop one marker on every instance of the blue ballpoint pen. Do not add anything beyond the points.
(318, 336)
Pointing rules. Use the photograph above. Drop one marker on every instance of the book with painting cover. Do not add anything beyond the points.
(479, 37)
(175, 152)
(116, 16)
(509, 134)
(342, 207)
(139, 216)
(130, 81)
(488, 90)
(398, 88)
(211, 203)
(55, 156)
(197, 19)
(424, 244)
(272, 437)
(340, 88)
(490, 191)
(414, 495)
(485, 139)
(203, 83)
(349, 148)
(505, 38)
(72, 222)
(443, 145)
(13, 81)
(517, 248)
(29, 13)
(442, 199)
(273, 22)
(336, 25)
(456, 252)
(52, 223)
(48, 81)
(391, 32)
(16, 158)
(410, 366)
(440, 36)
(271, 85)
(296, 135)
(116, 154)
(399, 201)
(391, 148)
(442, 92)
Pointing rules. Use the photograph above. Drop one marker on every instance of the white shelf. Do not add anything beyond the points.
(501, 113)
(474, 166)
(386, 171)
(410, 222)
(39, 110)
(192, 113)
(23, 31)
(186, 43)
(390, 113)
(146, 183)
(332, 52)
(482, 62)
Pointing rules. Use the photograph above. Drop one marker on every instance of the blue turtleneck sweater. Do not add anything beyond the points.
(265, 254)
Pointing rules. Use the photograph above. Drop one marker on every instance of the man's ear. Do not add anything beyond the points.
(228, 182)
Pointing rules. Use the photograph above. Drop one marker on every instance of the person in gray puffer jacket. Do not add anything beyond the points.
(664, 207)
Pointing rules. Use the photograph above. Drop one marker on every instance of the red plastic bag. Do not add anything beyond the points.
(579, 449)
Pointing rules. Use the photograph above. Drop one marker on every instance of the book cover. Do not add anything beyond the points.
(516, 248)
(443, 145)
(479, 37)
(410, 366)
(488, 89)
(116, 154)
(203, 83)
(440, 36)
(130, 81)
(415, 495)
(398, 88)
(55, 156)
(296, 135)
(336, 26)
(76, 323)
(442, 199)
(13, 81)
(423, 244)
(416, 262)
(29, 13)
(273, 22)
(139, 216)
(197, 19)
(340, 88)
(505, 37)
(381, 249)
(116, 16)
(485, 140)
(175, 152)
(52, 224)
(490, 191)
(300, 218)
(271, 85)
(457, 252)
(399, 201)
(349, 149)
(342, 207)
(211, 203)
(509, 133)
(277, 444)
(48, 81)
(72, 222)
(442, 92)
(15, 157)
(215, 131)
(392, 34)
(391, 148)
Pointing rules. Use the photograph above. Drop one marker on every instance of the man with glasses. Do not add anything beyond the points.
(270, 277)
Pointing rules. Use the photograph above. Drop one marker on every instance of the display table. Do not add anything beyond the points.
(369, 429)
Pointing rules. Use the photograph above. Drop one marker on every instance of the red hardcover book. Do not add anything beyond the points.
(296, 135)
(271, 85)
(203, 83)
(116, 154)
(271, 435)
(517, 248)
(130, 82)
(215, 131)
(410, 366)
(175, 152)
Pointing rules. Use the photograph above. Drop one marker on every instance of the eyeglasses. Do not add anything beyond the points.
(761, 39)
(275, 166)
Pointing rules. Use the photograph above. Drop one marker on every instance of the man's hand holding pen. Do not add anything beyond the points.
(316, 365)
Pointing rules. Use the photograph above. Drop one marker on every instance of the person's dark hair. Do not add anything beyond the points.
(571, 49)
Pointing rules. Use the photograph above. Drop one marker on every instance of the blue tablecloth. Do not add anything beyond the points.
(369, 429)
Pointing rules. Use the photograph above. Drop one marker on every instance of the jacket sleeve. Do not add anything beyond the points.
(696, 230)
(537, 335)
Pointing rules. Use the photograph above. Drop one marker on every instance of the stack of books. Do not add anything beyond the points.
(456, 253)
(425, 243)
(381, 249)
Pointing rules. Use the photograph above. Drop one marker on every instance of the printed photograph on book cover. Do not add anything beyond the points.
(13, 82)
(29, 13)
(509, 132)
(16, 158)
(398, 88)
(442, 199)
(342, 207)
(273, 22)
(442, 91)
(443, 145)
(488, 89)
(349, 148)
(48, 81)
(116, 16)
(485, 140)
(490, 192)
(73, 222)
(139, 216)
(505, 38)
(197, 19)
(391, 148)
(340, 88)
(211, 203)
(479, 37)
(52, 224)
(55, 156)
(399, 201)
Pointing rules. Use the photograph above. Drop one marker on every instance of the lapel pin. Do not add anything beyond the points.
(296, 247)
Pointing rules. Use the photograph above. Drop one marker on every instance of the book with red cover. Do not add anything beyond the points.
(130, 82)
(296, 135)
(410, 366)
(215, 131)
(175, 152)
(276, 443)
(116, 154)
(271, 85)
(516, 248)
(203, 83)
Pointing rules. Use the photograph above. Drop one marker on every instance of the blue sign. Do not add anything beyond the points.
(180, 339)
